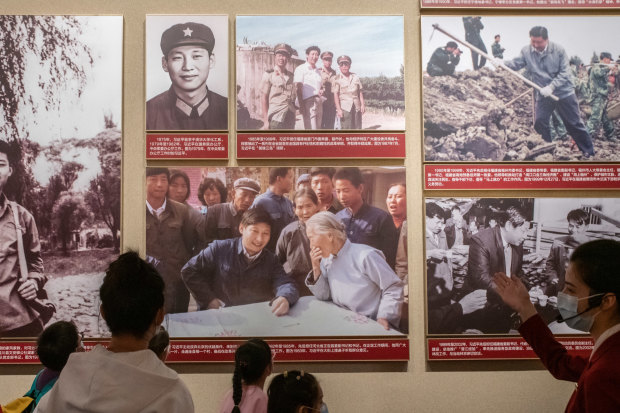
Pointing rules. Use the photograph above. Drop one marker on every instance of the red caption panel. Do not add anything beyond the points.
(186, 146)
(327, 145)
(182, 351)
(497, 348)
(523, 4)
(502, 176)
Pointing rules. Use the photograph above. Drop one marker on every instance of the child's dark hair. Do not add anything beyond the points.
(290, 390)
(131, 294)
(251, 360)
(160, 342)
(56, 343)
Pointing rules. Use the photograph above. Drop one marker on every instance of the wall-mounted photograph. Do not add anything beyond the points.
(320, 72)
(520, 88)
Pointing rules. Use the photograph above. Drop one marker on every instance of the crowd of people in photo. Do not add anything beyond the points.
(129, 375)
(261, 246)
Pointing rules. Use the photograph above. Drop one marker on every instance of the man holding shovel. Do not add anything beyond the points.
(548, 64)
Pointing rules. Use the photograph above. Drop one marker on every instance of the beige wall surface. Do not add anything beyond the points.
(416, 386)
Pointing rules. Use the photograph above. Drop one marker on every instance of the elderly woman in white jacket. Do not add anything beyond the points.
(355, 276)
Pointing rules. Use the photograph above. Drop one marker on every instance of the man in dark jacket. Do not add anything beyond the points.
(240, 271)
(444, 60)
(495, 250)
(473, 26)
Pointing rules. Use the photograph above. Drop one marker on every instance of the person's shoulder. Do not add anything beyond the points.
(217, 99)
(555, 47)
(379, 212)
(160, 100)
(22, 211)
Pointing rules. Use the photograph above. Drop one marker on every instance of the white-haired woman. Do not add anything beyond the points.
(355, 276)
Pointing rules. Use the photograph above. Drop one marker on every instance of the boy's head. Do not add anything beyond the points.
(56, 343)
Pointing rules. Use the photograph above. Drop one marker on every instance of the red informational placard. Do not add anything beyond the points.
(186, 146)
(502, 348)
(322, 145)
(518, 177)
(523, 4)
(190, 351)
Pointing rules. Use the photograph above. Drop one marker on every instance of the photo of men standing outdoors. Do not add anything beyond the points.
(313, 73)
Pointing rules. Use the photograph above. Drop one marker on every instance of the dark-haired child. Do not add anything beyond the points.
(253, 364)
(294, 392)
(54, 346)
(126, 376)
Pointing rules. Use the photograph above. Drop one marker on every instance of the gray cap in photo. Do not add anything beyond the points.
(187, 34)
(247, 184)
(303, 178)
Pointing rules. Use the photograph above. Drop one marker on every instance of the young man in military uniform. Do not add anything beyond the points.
(328, 75)
(599, 91)
(278, 92)
(444, 60)
(496, 48)
(473, 26)
(189, 104)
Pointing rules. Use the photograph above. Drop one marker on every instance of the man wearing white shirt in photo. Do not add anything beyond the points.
(309, 86)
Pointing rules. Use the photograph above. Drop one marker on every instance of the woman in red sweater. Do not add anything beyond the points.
(590, 303)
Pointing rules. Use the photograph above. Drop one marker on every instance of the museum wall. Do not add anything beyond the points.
(416, 385)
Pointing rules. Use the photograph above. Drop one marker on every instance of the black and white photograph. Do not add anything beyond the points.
(469, 240)
(260, 251)
(60, 168)
(186, 72)
(320, 72)
(520, 88)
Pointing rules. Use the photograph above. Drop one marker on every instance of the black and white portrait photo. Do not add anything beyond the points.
(186, 73)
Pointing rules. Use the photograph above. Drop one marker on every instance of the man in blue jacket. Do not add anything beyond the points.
(548, 65)
(240, 271)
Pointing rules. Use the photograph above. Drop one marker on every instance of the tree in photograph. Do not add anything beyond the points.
(54, 43)
(68, 214)
(103, 197)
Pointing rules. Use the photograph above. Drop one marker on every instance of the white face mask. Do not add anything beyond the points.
(567, 305)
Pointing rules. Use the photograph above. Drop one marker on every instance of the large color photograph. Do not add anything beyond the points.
(186, 73)
(60, 168)
(320, 72)
(295, 252)
(535, 88)
(468, 240)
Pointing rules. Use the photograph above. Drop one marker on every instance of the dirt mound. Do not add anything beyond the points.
(466, 119)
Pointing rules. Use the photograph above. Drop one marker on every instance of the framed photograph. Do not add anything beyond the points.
(468, 240)
(60, 170)
(320, 72)
(520, 88)
(243, 250)
(186, 73)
